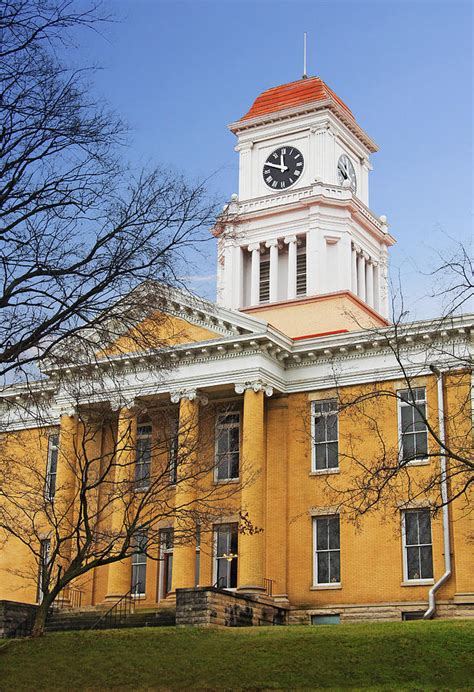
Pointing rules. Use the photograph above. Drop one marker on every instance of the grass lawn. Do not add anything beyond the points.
(410, 655)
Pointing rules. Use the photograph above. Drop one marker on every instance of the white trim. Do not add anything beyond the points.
(424, 461)
(331, 469)
(406, 580)
(315, 520)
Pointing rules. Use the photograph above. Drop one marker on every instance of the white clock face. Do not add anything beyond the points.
(346, 172)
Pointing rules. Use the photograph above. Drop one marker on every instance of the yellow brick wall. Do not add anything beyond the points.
(371, 550)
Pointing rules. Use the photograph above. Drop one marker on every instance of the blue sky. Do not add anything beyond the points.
(180, 71)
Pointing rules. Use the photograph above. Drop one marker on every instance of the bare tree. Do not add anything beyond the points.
(78, 229)
(392, 445)
(104, 495)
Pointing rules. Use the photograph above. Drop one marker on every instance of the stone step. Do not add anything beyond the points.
(63, 621)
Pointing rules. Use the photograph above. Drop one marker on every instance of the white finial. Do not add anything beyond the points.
(305, 76)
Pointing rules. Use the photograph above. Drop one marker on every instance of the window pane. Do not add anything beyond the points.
(234, 466)
(322, 534)
(234, 538)
(319, 429)
(426, 560)
(320, 456)
(221, 573)
(407, 418)
(424, 521)
(335, 567)
(413, 563)
(421, 443)
(168, 573)
(234, 439)
(222, 541)
(323, 568)
(408, 442)
(233, 574)
(332, 453)
(222, 441)
(332, 426)
(411, 528)
(334, 532)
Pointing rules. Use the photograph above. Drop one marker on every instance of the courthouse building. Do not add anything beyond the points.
(301, 324)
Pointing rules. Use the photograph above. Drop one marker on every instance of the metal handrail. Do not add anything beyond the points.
(69, 597)
(122, 608)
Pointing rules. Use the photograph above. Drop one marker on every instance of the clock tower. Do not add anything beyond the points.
(299, 246)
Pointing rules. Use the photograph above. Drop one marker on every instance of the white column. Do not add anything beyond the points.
(237, 278)
(376, 286)
(291, 242)
(370, 283)
(354, 269)
(361, 276)
(383, 283)
(273, 245)
(255, 274)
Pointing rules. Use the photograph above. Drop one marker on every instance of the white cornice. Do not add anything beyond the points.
(287, 366)
(311, 107)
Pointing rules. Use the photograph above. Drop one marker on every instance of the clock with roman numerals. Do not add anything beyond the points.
(283, 168)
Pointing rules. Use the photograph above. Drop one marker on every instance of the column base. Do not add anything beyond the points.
(250, 588)
(112, 598)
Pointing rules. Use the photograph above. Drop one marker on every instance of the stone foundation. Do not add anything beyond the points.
(380, 612)
(207, 606)
(16, 619)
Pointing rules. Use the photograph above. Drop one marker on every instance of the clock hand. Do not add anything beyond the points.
(275, 165)
(282, 164)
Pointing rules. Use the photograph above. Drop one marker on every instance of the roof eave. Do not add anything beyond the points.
(310, 107)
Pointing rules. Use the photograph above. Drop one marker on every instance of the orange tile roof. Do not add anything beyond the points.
(293, 94)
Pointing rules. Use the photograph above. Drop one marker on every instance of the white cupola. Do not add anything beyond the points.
(300, 233)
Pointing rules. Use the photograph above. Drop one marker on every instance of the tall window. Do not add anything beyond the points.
(413, 430)
(417, 545)
(139, 564)
(226, 544)
(264, 296)
(45, 551)
(327, 550)
(301, 273)
(227, 445)
(166, 558)
(51, 467)
(325, 435)
(143, 457)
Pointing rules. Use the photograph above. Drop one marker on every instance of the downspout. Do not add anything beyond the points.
(444, 498)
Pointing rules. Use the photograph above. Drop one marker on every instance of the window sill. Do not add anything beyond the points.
(325, 587)
(417, 582)
(139, 596)
(324, 472)
(416, 462)
(220, 481)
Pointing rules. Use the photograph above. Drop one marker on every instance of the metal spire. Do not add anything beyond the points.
(305, 75)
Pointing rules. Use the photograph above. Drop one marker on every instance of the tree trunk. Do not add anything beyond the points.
(40, 617)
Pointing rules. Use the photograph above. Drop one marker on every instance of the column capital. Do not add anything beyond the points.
(272, 243)
(66, 409)
(255, 386)
(356, 247)
(189, 395)
(253, 246)
(120, 402)
(290, 239)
